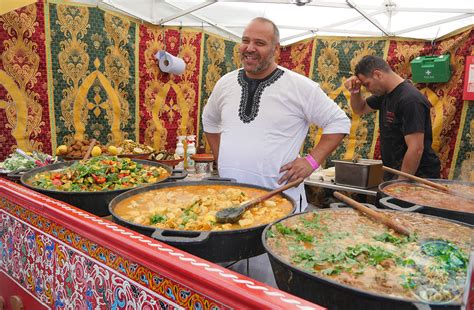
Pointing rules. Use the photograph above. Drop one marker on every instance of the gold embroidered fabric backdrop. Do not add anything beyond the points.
(72, 72)
(93, 74)
(168, 102)
(334, 60)
(446, 98)
(24, 117)
(220, 57)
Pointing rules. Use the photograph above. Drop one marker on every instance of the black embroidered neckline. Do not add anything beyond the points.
(249, 100)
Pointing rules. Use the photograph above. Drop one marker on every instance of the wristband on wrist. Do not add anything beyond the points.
(314, 164)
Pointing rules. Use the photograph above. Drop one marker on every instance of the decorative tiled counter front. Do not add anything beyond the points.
(54, 255)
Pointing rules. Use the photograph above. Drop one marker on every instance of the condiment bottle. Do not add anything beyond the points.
(180, 152)
(191, 151)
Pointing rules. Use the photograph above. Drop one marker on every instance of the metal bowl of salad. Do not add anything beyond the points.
(16, 164)
(90, 185)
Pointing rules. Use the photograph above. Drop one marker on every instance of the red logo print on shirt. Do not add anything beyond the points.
(389, 117)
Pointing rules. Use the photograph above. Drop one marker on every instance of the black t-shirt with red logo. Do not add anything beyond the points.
(404, 111)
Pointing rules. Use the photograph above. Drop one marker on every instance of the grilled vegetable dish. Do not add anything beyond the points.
(101, 173)
(351, 249)
(194, 207)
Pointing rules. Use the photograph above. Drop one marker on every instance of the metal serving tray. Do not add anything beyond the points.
(363, 173)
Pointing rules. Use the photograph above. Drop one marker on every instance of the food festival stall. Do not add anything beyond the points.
(81, 79)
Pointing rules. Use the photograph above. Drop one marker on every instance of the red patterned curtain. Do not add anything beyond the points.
(24, 112)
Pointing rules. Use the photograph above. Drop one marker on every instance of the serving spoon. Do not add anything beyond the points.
(89, 149)
(437, 186)
(234, 213)
(375, 215)
(37, 162)
(430, 247)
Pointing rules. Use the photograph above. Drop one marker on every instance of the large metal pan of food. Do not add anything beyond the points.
(182, 214)
(403, 195)
(90, 185)
(341, 259)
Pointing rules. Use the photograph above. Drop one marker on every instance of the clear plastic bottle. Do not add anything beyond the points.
(180, 152)
(191, 150)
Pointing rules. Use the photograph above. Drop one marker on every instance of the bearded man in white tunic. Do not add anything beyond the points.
(257, 117)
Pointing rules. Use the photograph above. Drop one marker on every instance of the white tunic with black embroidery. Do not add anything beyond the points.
(261, 134)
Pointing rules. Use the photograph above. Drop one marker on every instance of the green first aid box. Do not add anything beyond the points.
(430, 69)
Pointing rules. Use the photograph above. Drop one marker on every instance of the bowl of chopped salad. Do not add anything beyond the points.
(15, 164)
(90, 185)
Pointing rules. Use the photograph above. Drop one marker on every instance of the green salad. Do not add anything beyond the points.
(15, 162)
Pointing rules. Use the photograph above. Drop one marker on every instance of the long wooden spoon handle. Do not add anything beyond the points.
(415, 178)
(89, 150)
(274, 192)
(373, 214)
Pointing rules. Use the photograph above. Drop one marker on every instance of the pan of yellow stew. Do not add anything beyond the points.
(341, 259)
(182, 214)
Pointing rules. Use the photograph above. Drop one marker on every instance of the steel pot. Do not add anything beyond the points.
(387, 201)
(215, 246)
(94, 202)
(335, 295)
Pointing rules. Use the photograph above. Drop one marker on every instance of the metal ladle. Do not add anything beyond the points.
(233, 214)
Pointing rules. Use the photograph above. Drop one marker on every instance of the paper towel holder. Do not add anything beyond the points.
(169, 63)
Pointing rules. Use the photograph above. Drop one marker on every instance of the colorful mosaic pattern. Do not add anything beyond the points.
(63, 269)
(93, 74)
(168, 102)
(24, 117)
(334, 62)
(220, 56)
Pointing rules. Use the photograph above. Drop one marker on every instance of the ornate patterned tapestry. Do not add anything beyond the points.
(220, 56)
(297, 57)
(93, 74)
(462, 163)
(446, 98)
(24, 117)
(168, 102)
(462, 166)
(334, 62)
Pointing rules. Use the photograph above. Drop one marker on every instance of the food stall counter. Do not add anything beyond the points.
(54, 255)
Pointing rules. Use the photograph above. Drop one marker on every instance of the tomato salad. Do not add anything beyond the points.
(100, 173)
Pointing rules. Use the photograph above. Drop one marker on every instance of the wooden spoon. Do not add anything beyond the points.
(438, 186)
(89, 150)
(375, 215)
(233, 214)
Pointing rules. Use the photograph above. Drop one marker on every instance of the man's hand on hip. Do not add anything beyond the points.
(298, 168)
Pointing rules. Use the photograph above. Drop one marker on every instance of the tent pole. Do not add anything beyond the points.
(370, 19)
(233, 34)
(184, 12)
(436, 23)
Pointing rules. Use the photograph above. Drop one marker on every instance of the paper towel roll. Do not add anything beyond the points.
(169, 63)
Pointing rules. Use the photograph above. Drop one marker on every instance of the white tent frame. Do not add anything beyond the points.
(362, 10)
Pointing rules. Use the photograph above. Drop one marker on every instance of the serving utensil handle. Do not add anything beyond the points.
(89, 150)
(272, 193)
(415, 178)
(380, 217)
(37, 162)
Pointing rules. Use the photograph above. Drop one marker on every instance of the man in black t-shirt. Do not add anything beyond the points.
(404, 120)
